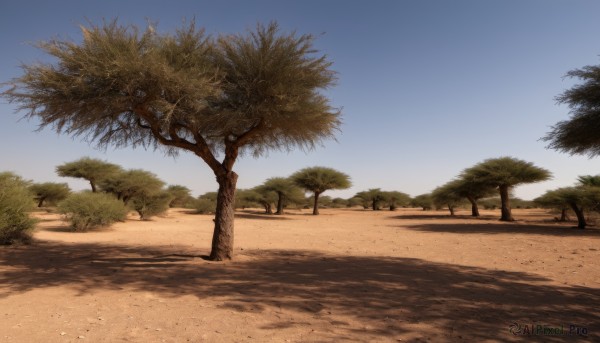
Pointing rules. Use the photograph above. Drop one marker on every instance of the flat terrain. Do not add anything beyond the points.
(346, 275)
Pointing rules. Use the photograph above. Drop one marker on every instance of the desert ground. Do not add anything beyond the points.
(346, 275)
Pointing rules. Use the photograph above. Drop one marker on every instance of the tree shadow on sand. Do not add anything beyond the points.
(390, 295)
(560, 230)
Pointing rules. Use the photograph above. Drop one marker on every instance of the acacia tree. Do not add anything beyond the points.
(373, 197)
(466, 187)
(130, 183)
(395, 199)
(181, 196)
(579, 134)
(319, 180)
(446, 196)
(49, 191)
(91, 169)
(423, 201)
(504, 173)
(213, 96)
(285, 189)
(577, 198)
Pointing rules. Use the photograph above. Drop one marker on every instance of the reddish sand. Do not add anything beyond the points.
(346, 275)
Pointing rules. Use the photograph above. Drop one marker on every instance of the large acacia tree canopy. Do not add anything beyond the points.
(581, 133)
(128, 87)
(505, 172)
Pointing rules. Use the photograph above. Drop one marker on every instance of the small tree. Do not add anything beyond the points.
(49, 191)
(263, 196)
(319, 180)
(222, 95)
(465, 186)
(15, 204)
(446, 195)
(286, 191)
(423, 201)
(372, 198)
(148, 205)
(130, 183)
(579, 134)
(181, 196)
(577, 198)
(504, 173)
(90, 169)
(395, 199)
(554, 199)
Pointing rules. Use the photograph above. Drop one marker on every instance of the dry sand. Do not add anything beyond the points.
(346, 275)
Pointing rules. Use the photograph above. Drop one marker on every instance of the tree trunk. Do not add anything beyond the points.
(506, 212)
(375, 205)
(563, 215)
(222, 243)
(474, 207)
(268, 209)
(280, 197)
(392, 207)
(93, 186)
(41, 202)
(581, 223)
(451, 208)
(316, 205)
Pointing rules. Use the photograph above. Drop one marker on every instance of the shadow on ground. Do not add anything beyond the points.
(393, 296)
(504, 228)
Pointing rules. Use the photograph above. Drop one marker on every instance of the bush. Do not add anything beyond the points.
(88, 210)
(15, 204)
(149, 205)
(205, 206)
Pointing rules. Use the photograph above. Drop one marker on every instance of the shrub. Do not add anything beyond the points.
(15, 204)
(88, 210)
(205, 206)
(149, 205)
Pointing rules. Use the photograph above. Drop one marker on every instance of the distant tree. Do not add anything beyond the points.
(263, 196)
(339, 202)
(181, 196)
(423, 201)
(286, 191)
(505, 173)
(319, 180)
(465, 186)
(555, 200)
(222, 95)
(356, 201)
(446, 196)
(49, 191)
(373, 197)
(579, 134)
(90, 169)
(206, 203)
(395, 199)
(578, 198)
(148, 205)
(130, 183)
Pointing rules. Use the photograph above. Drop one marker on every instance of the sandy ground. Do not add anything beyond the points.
(346, 275)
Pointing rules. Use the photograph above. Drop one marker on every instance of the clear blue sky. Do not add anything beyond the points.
(427, 88)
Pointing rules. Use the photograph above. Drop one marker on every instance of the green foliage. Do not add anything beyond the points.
(50, 192)
(321, 179)
(589, 180)
(181, 196)
(206, 203)
(446, 196)
(491, 203)
(579, 134)
(15, 204)
(395, 199)
(258, 90)
(131, 183)
(356, 201)
(88, 210)
(287, 192)
(148, 205)
(373, 198)
(263, 196)
(90, 169)
(505, 171)
(424, 201)
(339, 203)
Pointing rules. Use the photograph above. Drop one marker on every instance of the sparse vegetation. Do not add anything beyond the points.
(88, 210)
(15, 203)
(49, 192)
(91, 169)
